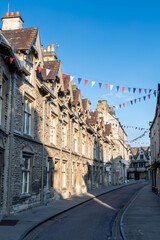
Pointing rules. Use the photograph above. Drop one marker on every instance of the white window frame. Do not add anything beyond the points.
(63, 175)
(27, 115)
(64, 136)
(83, 145)
(26, 171)
(49, 174)
(52, 129)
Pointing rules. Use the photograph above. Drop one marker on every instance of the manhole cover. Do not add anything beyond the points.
(8, 222)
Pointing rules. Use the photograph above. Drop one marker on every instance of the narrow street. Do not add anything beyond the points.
(92, 220)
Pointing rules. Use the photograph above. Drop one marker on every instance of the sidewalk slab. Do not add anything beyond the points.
(28, 220)
(141, 220)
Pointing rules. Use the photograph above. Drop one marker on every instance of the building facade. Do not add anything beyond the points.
(140, 166)
(155, 147)
(51, 144)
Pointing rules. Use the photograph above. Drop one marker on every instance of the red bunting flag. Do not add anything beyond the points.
(11, 60)
(64, 75)
(103, 109)
(85, 82)
(106, 85)
(135, 100)
(149, 96)
(123, 89)
(39, 69)
(140, 90)
(123, 104)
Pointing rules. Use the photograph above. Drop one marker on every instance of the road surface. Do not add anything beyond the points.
(91, 221)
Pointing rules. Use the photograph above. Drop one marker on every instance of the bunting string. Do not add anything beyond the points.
(111, 86)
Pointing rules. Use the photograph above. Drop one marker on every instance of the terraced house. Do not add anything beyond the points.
(51, 144)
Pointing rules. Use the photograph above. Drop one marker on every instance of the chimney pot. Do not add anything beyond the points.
(52, 47)
(7, 14)
(48, 48)
(12, 14)
(44, 50)
(18, 13)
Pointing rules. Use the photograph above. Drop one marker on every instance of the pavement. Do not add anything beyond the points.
(136, 221)
(141, 219)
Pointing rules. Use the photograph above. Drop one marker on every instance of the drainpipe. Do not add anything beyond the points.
(43, 148)
(13, 86)
(70, 165)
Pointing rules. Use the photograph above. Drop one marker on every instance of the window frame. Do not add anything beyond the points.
(26, 175)
(27, 116)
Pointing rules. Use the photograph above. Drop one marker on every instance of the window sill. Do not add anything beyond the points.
(25, 195)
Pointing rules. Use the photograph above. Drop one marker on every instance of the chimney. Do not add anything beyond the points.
(49, 53)
(48, 48)
(12, 21)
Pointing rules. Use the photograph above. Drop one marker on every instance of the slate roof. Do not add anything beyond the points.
(93, 119)
(66, 81)
(84, 103)
(51, 65)
(107, 130)
(136, 151)
(75, 96)
(20, 39)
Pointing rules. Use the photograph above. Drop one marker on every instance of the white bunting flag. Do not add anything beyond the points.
(111, 87)
(47, 71)
(93, 83)
(71, 78)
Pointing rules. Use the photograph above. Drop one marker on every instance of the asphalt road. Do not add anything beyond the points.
(90, 221)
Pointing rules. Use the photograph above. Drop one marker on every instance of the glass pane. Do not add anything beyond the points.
(29, 107)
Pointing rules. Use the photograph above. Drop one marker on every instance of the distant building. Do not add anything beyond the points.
(139, 168)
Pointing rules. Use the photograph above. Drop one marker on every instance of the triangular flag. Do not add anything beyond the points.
(140, 90)
(120, 105)
(139, 99)
(64, 75)
(150, 90)
(123, 89)
(134, 90)
(144, 98)
(11, 59)
(22, 63)
(71, 78)
(155, 93)
(117, 88)
(106, 85)
(79, 80)
(111, 87)
(39, 69)
(56, 74)
(31, 64)
(123, 104)
(85, 82)
(135, 100)
(132, 102)
(145, 90)
(129, 89)
(149, 96)
(100, 85)
(93, 83)
(47, 71)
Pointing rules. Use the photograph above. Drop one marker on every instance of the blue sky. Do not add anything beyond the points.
(111, 41)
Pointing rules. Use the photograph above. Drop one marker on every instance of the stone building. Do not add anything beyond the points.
(120, 153)
(51, 144)
(139, 168)
(155, 146)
